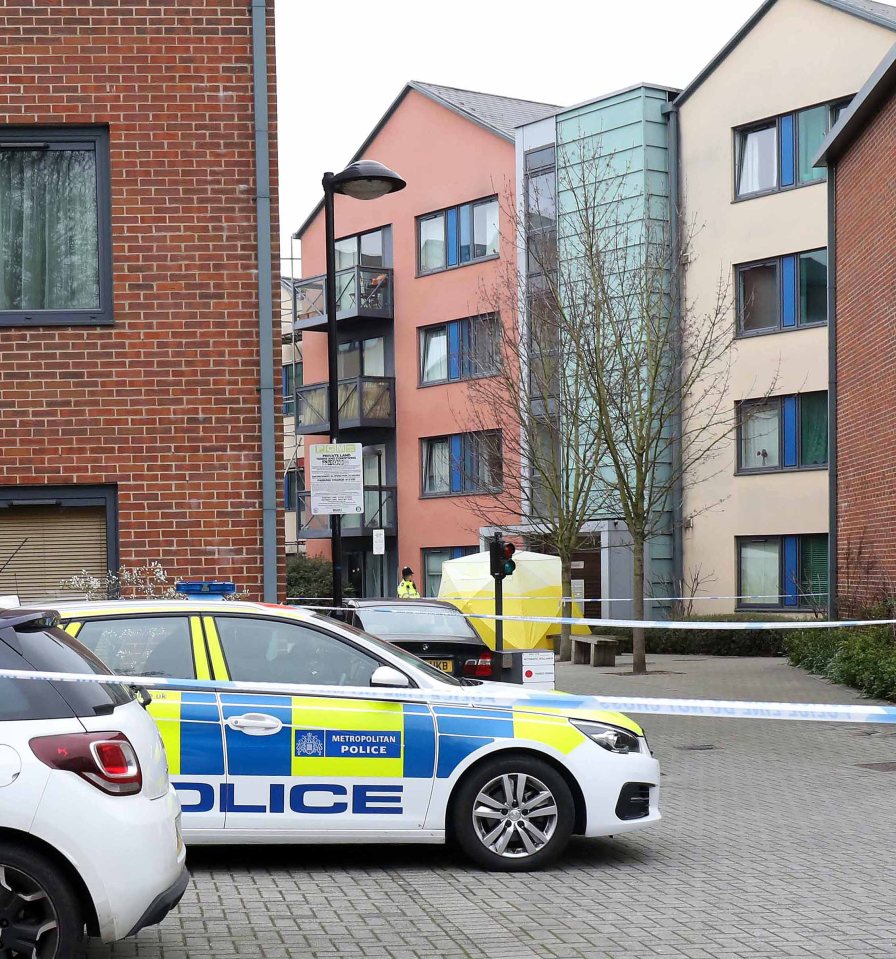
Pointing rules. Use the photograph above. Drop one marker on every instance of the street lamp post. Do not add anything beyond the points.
(362, 180)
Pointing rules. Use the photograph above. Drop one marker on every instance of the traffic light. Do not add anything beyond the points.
(501, 562)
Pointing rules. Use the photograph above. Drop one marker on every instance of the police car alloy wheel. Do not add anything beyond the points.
(40, 917)
(514, 814)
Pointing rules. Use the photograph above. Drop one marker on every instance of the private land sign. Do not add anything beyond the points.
(337, 478)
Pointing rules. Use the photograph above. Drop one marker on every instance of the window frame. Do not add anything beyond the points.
(484, 318)
(444, 213)
(386, 230)
(745, 128)
(452, 440)
(62, 137)
(779, 538)
(778, 400)
(778, 262)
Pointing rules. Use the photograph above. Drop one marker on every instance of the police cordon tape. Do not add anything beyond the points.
(706, 708)
(723, 625)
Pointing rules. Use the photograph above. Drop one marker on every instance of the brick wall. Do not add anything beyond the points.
(866, 364)
(165, 403)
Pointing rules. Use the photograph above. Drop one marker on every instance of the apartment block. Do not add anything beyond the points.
(755, 517)
(415, 328)
(137, 344)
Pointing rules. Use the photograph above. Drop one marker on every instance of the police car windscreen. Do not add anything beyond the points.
(404, 621)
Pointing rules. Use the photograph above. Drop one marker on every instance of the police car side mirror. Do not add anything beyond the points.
(387, 676)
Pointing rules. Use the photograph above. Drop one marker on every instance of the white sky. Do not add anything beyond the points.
(341, 63)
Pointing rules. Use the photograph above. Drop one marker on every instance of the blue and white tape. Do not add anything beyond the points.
(706, 708)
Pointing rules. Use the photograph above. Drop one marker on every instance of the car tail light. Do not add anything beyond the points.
(105, 760)
(481, 667)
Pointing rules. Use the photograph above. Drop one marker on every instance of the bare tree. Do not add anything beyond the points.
(612, 386)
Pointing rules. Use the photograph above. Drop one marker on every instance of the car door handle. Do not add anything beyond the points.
(255, 724)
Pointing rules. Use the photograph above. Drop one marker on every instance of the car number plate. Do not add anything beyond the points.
(446, 665)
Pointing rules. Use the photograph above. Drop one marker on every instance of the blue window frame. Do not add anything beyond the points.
(457, 235)
(782, 572)
(782, 293)
(459, 350)
(783, 432)
(462, 463)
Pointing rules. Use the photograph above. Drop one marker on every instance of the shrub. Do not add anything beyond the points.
(861, 657)
(309, 577)
(711, 642)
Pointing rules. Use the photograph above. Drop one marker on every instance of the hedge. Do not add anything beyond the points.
(861, 657)
(710, 642)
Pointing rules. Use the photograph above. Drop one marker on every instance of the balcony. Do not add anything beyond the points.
(362, 293)
(365, 402)
(379, 513)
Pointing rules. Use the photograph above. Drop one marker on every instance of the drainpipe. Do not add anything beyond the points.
(265, 300)
(671, 112)
(832, 391)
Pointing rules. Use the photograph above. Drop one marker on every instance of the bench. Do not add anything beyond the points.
(594, 650)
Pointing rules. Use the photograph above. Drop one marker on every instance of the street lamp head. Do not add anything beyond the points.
(366, 180)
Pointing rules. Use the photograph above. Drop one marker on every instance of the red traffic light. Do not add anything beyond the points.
(507, 550)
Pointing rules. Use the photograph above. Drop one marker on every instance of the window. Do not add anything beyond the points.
(432, 567)
(463, 463)
(459, 350)
(365, 249)
(151, 646)
(541, 210)
(458, 235)
(266, 650)
(292, 377)
(783, 571)
(55, 260)
(361, 358)
(783, 293)
(291, 488)
(778, 154)
(783, 432)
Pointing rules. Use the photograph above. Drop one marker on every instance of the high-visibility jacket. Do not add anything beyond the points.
(407, 590)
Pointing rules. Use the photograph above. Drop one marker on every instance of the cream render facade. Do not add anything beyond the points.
(799, 54)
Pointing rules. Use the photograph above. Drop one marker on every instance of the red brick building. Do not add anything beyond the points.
(137, 231)
(861, 153)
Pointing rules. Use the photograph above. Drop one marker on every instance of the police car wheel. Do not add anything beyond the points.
(40, 916)
(513, 814)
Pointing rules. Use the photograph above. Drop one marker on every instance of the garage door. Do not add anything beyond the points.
(49, 544)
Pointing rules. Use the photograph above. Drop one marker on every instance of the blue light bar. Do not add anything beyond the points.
(208, 589)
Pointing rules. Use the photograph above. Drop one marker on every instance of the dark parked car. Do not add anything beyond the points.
(435, 631)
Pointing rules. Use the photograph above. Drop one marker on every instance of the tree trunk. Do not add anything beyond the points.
(565, 610)
(639, 654)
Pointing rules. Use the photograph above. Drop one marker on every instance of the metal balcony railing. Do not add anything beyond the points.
(364, 402)
(379, 513)
(362, 292)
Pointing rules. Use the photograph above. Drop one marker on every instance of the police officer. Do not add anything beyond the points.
(406, 588)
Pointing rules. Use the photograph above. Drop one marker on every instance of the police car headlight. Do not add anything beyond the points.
(611, 738)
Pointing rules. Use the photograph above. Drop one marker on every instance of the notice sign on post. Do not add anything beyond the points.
(337, 478)
(379, 542)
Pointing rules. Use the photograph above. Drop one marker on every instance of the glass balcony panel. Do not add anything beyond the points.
(379, 513)
(361, 292)
(364, 401)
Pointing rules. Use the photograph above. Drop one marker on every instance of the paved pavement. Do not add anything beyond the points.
(775, 844)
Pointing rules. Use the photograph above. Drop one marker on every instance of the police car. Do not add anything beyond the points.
(367, 743)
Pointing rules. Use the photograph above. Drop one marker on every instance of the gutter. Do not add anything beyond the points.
(672, 114)
(832, 391)
(265, 300)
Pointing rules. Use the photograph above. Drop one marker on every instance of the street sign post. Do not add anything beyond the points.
(337, 479)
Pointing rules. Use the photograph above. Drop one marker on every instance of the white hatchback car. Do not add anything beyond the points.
(89, 823)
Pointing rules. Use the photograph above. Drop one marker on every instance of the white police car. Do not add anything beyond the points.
(89, 832)
(366, 743)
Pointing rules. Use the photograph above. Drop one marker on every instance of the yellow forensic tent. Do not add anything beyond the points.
(532, 590)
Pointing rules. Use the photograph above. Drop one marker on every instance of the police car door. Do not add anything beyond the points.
(314, 764)
(171, 646)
